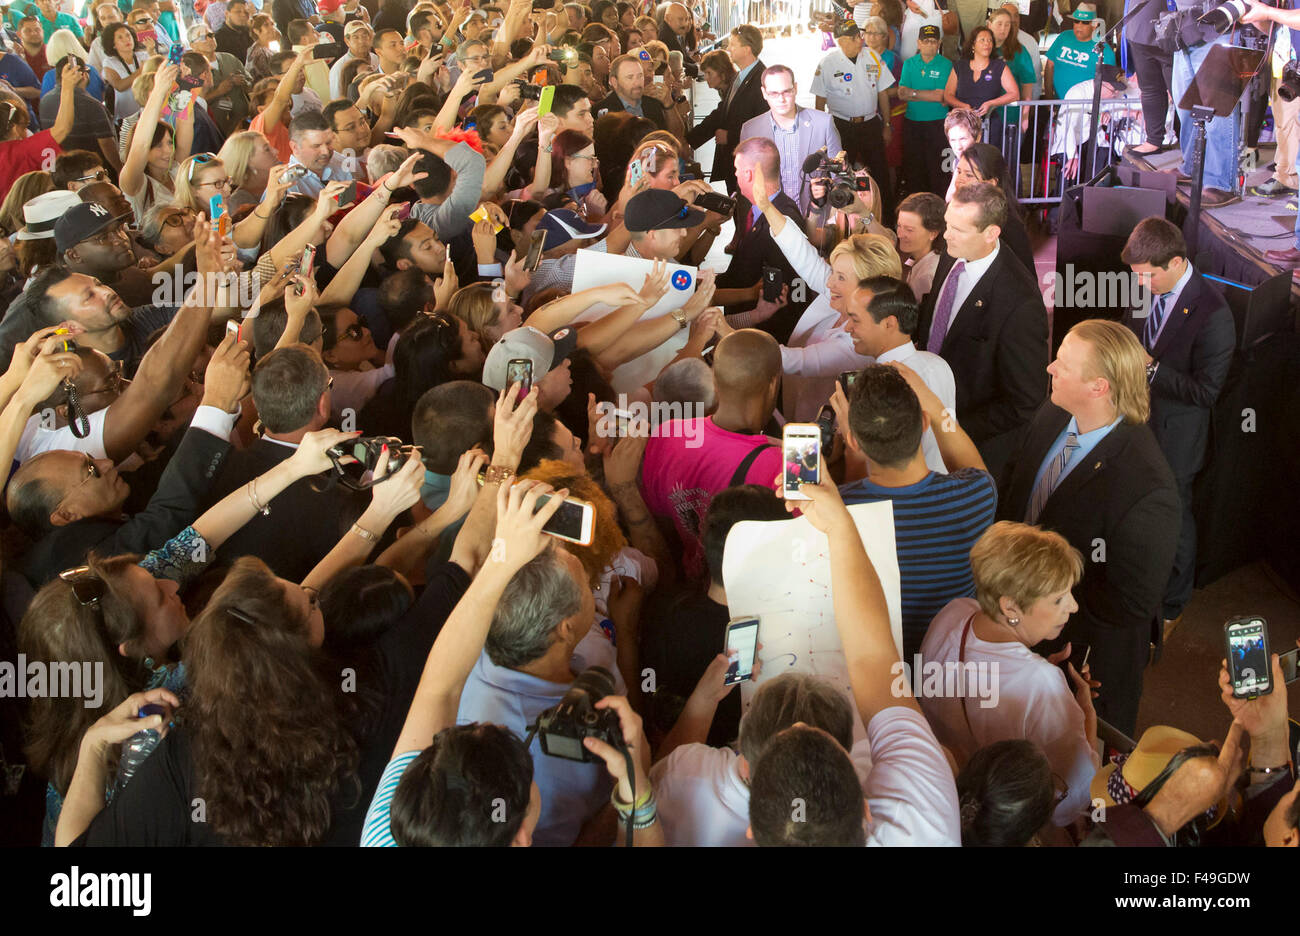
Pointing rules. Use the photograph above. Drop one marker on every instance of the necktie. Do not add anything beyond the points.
(1047, 483)
(943, 308)
(1152, 330)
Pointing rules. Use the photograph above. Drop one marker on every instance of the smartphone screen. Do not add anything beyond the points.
(572, 522)
(847, 379)
(308, 259)
(742, 645)
(520, 371)
(544, 102)
(534, 257)
(801, 448)
(1288, 663)
(348, 195)
(174, 54)
(217, 213)
(1248, 658)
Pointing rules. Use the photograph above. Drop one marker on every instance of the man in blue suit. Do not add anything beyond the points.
(796, 131)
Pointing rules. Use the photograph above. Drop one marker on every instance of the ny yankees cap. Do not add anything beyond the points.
(82, 222)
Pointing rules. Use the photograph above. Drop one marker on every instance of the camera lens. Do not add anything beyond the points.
(596, 681)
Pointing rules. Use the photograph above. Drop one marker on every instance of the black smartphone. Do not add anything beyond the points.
(520, 371)
(1288, 662)
(1079, 654)
(486, 74)
(328, 50)
(534, 257)
(189, 83)
(773, 280)
(716, 202)
(847, 379)
(348, 195)
(1249, 663)
(741, 648)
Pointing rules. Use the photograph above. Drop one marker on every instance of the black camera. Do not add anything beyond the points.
(561, 729)
(1288, 86)
(842, 183)
(529, 92)
(716, 202)
(356, 459)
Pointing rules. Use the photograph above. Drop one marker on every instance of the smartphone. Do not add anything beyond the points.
(520, 371)
(348, 195)
(486, 74)
(847, 379)
(772, 283)
(573, 522)
(1249, 663)
(328, 50)
(404, 212)
(308, 259)
(149, 35)
(742, 645)
(66, 344)
(292, 175)
(481, 214)
(1288, 662)
(545, 101)
(217, 213)
(535, 246)
(232, 328)
(174, 54)
(801, 448)
(634, 172)
(715, 202)
(826, 422)
(1079, 654)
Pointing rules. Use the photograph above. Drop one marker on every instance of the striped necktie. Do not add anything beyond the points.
(1152, 330)
(1047, 483)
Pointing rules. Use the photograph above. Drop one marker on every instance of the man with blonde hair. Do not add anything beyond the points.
(1090, 469)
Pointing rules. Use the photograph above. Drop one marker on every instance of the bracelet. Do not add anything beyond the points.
(546, 149)
(261, 508)
(390, 190)
(363, 533)
(498, 474)
(645, 801)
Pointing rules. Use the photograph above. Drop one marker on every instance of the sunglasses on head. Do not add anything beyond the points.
(87, 587)
(195, 161)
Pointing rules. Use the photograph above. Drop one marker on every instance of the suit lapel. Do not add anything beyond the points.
(971, 313)
(1091, 467)
(1179, 314)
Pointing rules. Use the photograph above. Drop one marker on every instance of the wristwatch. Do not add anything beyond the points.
(498, 474)
(679, 318)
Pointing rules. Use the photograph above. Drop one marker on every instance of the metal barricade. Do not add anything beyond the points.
(1054, 150)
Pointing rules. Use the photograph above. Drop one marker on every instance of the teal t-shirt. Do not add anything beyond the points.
(61, 21)
(1022, 69)
(920, 75)
(1073, 61)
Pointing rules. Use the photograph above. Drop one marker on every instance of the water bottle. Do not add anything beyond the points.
(137, 748)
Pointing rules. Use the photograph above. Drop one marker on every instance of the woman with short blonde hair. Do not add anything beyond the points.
(476, 305)
(1000, 689)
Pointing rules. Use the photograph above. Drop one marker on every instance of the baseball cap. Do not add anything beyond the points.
(43, 212)
(659, 210)
(545, 351)
(328, 6)
(847, 28)
(81, 222)
(1085, 12)
(563, 225)
(929, 31)
(355, 26)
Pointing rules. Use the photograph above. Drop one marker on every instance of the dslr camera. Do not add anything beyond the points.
(842, 183)
(528, 91)
(1288, 86)
(561, 729)
(357, 458)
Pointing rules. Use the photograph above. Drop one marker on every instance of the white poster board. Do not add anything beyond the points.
(780, 572)
(596, 268)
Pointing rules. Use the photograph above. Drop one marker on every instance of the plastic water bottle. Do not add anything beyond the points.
(137, 748)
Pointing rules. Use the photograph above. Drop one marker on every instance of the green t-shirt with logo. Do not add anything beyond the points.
(920, 75)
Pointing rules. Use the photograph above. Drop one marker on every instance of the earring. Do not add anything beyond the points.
(1014, 622)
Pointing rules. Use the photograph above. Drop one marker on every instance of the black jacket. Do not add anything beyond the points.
(176, 504)
(1194, 353)
(1120, 509)
(756, 249)
(653, 110)
(997, 349)
(747, 103)
(303, 525)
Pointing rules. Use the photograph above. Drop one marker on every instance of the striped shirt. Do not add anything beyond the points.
(377, 832)
(936, 522)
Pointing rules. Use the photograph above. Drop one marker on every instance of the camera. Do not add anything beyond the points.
(365, 453)
(1225, 16)
(1288, 86)
(716, 202)
(529, 92)
(561, 729)
(843, 184)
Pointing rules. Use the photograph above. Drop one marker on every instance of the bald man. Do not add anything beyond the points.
(676, 31)
(690, 459)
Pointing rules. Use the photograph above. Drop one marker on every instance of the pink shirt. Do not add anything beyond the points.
(687, 461)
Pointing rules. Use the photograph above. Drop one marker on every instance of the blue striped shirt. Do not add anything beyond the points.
(936, 522)
(377, 832)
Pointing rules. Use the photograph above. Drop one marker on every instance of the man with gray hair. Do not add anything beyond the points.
(311, 138)
(688, 382)
(543, 635)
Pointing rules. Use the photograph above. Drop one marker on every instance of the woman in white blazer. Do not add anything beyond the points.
(820, 348)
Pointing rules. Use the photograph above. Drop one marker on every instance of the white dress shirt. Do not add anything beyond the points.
(937, 375)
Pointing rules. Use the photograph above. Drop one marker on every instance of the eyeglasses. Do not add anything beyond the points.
(179, 219)
(354, 332)
(87, 587)
(782, 92)
(582, 156)
(195, 161)
(441, 323)
(116, 384)
(225, 184)
(98, 176)
(108, 235)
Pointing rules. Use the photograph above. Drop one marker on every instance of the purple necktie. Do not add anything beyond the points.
(943, 308)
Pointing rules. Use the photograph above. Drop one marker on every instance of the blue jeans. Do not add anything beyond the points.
(1295, 38)
(1221, 138)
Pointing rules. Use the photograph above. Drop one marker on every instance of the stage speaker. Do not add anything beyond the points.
(1258, 311)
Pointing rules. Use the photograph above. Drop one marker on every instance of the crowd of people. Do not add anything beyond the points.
(306, 379)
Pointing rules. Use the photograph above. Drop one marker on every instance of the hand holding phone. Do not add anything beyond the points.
(1250, 666)
(741, 648)
(520, 371)
(574, 522)
(536, 244)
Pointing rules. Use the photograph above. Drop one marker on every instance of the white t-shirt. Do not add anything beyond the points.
(905, 777)
(1032, 702)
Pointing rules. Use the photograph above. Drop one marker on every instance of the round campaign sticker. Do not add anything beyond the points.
(848, 76)
(681, 280)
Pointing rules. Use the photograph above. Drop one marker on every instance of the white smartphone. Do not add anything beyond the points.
(801, 445)
(574, 522)
(742, 645)
(232, 328)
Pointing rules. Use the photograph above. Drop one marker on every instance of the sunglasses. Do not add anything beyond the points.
(87, 587)
(97, 176)
(353, 332)
(195, 161)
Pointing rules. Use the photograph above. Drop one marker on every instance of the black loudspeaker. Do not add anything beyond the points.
(1258, 311)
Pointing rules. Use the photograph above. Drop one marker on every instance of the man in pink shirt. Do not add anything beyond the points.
(687, 461)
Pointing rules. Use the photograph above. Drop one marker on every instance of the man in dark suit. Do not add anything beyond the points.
(984, 315)
(1091, 470)
(70, 504)
(741, 286)
(676, 31)
(291, 391)
(742, 101)
(627, 79)
(1189, 337)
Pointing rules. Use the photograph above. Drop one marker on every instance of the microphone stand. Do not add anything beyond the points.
(1099, 48)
